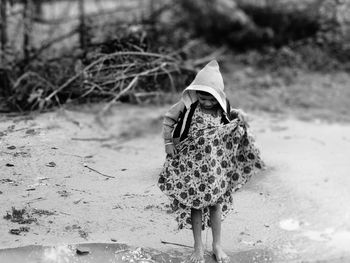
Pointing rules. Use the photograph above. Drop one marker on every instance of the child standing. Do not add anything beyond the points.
(209, 156)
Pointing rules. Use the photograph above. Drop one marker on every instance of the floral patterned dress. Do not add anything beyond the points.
(212, 163)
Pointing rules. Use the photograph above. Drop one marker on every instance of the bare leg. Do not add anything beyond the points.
(215, 218)
(198, 253)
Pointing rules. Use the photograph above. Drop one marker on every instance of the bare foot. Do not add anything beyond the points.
(220, 255)
(197, 256)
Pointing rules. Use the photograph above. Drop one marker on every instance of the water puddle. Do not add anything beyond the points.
(84, 253)
(114, 253)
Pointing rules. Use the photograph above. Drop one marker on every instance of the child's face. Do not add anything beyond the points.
(206, 100)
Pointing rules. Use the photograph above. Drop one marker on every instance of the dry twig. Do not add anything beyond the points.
(172, 243)
(92, 169)
(131, 85)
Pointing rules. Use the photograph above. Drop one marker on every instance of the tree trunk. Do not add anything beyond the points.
(27, 27)
(38, 9)
(5, 88)
(82, 25)
(3, 25)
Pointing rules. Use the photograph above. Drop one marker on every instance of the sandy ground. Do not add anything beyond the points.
(83, 178)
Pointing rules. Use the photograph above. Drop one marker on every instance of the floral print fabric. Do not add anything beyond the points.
(214, 161)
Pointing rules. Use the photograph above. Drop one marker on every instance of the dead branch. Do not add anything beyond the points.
(113, 67)
(110, 56)
(31, 74)
(131, 85)
(92, 169)
(143, 73)
(110, 76)
(93, 87)
(90, 139)
(172, 243)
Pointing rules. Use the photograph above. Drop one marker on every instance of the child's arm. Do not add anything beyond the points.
(170, 119)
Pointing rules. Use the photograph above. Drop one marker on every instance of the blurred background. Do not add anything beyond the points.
(279, 56)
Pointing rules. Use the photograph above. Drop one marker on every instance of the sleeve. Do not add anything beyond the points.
(171, 117)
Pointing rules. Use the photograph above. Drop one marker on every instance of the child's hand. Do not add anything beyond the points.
(170, 150)
(241, 115)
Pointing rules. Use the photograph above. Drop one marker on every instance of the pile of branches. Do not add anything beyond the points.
(108, 76)
(119, 69)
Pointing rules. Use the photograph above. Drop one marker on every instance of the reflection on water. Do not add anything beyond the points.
(114, 253)
(85, 253)
(59, 254)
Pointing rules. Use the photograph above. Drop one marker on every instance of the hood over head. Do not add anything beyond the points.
(208, 79)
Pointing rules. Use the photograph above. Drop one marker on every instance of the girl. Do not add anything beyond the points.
(209, 156)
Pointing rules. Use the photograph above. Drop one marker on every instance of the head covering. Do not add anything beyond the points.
(208, 79)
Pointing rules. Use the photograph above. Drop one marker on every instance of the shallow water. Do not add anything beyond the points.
(79, 253)
(112, 253)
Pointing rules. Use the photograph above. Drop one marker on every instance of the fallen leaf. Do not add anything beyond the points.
(15, 231)
(51, 164)
(77, 201)
(80, 251)
(12, 147)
